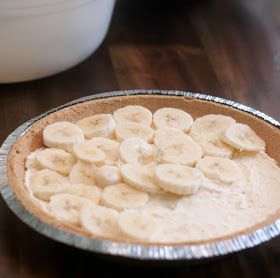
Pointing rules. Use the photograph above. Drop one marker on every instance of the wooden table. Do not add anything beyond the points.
(228, 48)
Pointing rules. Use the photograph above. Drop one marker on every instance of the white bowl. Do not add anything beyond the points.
(41, 38)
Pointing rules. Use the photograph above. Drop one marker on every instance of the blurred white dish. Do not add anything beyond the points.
(39, 39)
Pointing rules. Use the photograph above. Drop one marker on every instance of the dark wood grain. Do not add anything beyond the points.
(227, 48)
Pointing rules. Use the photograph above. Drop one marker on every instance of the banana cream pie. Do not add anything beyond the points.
(165, 175)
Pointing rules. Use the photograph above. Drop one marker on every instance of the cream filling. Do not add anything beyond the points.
(211, 214)
(216, 210)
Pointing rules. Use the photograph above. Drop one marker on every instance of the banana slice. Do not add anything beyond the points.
(213, 125)
(31, 162)
(221, 170)
(44, 193)
(133, 114)
(67, 207)
(138, 225)
(100, 221)
(137, 151)
(162, 201)
(122, 196)
(167, 133)
(89, 152)
(107, 175)
(178, 179)
(242, 137)
(62, 135)
(172, 117)
(46, 183)
(215, 148)
(214, 186)
(56, 159)
(179, 150)
(91, 192)
(102, 125)
(82, 173)
(109, 147)
(126, 130)
(208, 132)
(140, 177)
(46, 176)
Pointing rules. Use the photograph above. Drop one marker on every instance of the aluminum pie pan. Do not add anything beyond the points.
(161, 253)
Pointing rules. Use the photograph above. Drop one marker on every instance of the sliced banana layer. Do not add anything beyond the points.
(91, 192)
(133, 175)
(82, 173)
(89, 152)
(137, 151)
(107, 175)
(122, 196)
(100, 221)
(126, 130)
(56, 159)
(46, 183)
(62, 135)
(138, 225)
(178, 179)
(167, 133)
(109, 147)
(208, 132)
(140, 177)
(102, 125)
(243, 138)
(172, 117)
(179, 150)
(221, 170)
(133, 114)
(66, 207)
